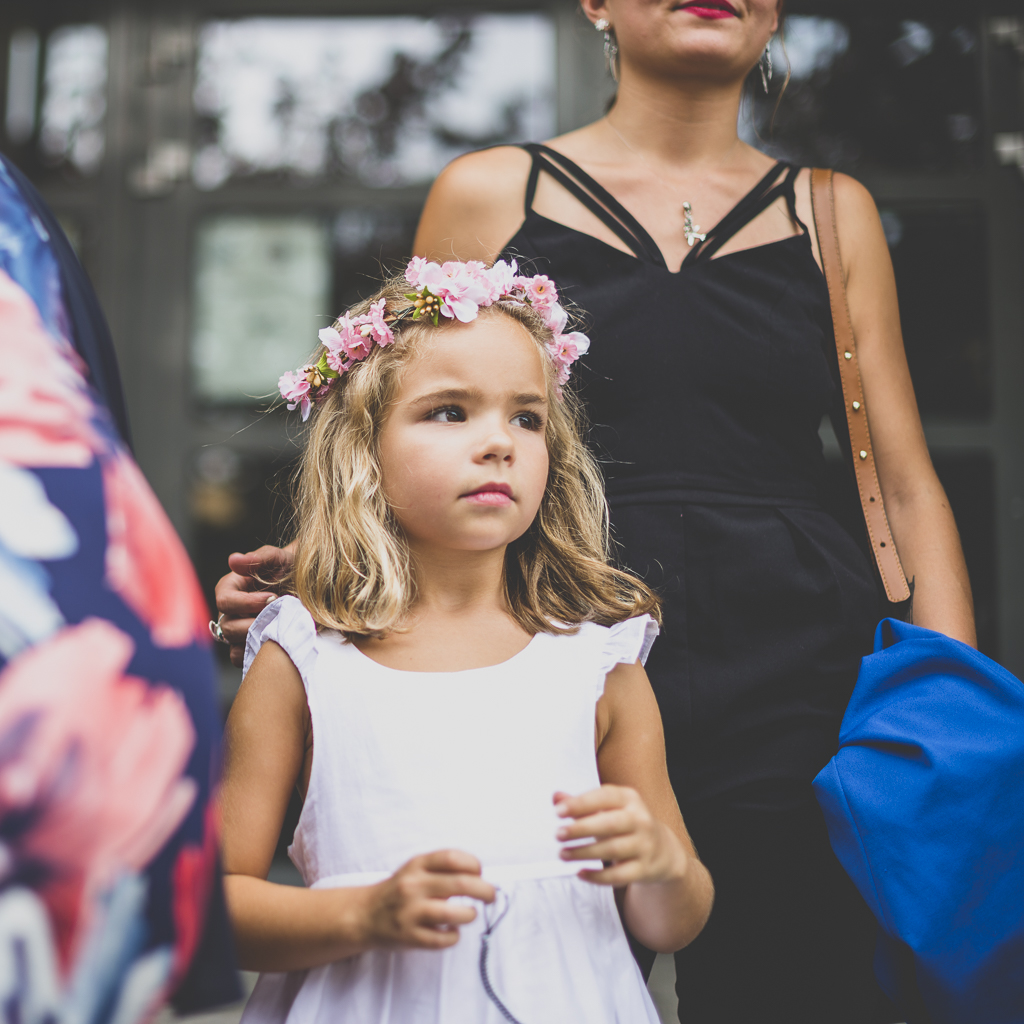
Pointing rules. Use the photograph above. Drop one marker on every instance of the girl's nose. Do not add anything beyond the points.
(497, 446)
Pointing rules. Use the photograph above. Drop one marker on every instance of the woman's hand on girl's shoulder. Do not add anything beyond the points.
(413, 908)
(475, 206)
(242, 594)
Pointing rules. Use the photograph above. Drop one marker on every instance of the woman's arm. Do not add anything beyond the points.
(919, 515)
(283, 927)
(636, 823)
(475, 206)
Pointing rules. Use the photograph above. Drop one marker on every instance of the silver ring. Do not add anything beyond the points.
(216, 632)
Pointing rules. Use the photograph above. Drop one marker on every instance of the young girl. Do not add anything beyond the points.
(456, 689)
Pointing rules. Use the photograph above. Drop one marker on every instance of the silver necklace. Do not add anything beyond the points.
(691, 231)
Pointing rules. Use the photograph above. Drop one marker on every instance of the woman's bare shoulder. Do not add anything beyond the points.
(860, 229)
(852, 198)
(475, 206)
(495, 167)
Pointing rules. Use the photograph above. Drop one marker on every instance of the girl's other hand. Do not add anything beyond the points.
(636, 846)
(241, 596)
(412, 908)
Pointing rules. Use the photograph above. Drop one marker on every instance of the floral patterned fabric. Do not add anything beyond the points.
(109, 730)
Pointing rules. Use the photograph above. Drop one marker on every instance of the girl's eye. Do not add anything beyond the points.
(528, 421)
(449, 414)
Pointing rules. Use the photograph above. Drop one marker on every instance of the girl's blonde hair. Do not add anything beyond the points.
(352, 569)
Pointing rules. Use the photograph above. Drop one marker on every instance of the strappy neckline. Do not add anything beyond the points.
(599, 201)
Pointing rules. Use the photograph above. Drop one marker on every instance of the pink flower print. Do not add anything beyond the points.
(294, 389)
(146, 562)
(93, 761)
(381, 331)
(45, 407)
(191, 878)
(541, 292)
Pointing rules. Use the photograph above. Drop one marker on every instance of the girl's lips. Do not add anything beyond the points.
(713, 9)
(495, 499)
(494, 495)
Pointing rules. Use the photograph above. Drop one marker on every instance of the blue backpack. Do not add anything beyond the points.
(925, 810)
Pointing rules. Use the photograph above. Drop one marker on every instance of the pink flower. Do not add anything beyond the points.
(541, 291)
(336, 355)
(381, 331)
(563, 352)
(579, 341)
(94, 762)
(146, 563)
(518, 289)
(414, 272)
(503, 278)
(462, 288)
(45, 406)
(555, 318)
(351, 341)
(294, 389)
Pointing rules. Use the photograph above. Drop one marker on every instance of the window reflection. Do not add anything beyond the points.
(387, 100)
(872, 92)
(369, 242)
(22, 65)
(262, 290)
(74, 96)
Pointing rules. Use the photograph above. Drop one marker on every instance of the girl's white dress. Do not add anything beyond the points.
(409, 762)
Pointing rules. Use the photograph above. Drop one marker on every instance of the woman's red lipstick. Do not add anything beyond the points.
(495, 495)
(710, 9)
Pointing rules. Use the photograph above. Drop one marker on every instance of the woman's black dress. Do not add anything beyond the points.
(706, 389)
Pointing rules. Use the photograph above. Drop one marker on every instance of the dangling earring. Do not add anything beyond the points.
(765, 64)
(611, 48)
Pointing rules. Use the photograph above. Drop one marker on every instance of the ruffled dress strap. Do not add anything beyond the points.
(290, 626)
(628, 642)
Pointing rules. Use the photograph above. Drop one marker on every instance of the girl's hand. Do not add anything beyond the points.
(627, 837)
(412, 908)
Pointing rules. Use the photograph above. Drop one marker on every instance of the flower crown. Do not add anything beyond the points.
(455, 290)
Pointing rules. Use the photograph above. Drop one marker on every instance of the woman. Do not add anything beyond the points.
(711, 365)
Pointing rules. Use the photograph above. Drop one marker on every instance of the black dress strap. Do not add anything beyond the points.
(593, 196)
(755, 202)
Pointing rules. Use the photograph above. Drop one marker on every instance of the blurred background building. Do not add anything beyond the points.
(234, 172)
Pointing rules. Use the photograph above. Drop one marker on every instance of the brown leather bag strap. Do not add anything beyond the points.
(882, 546)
